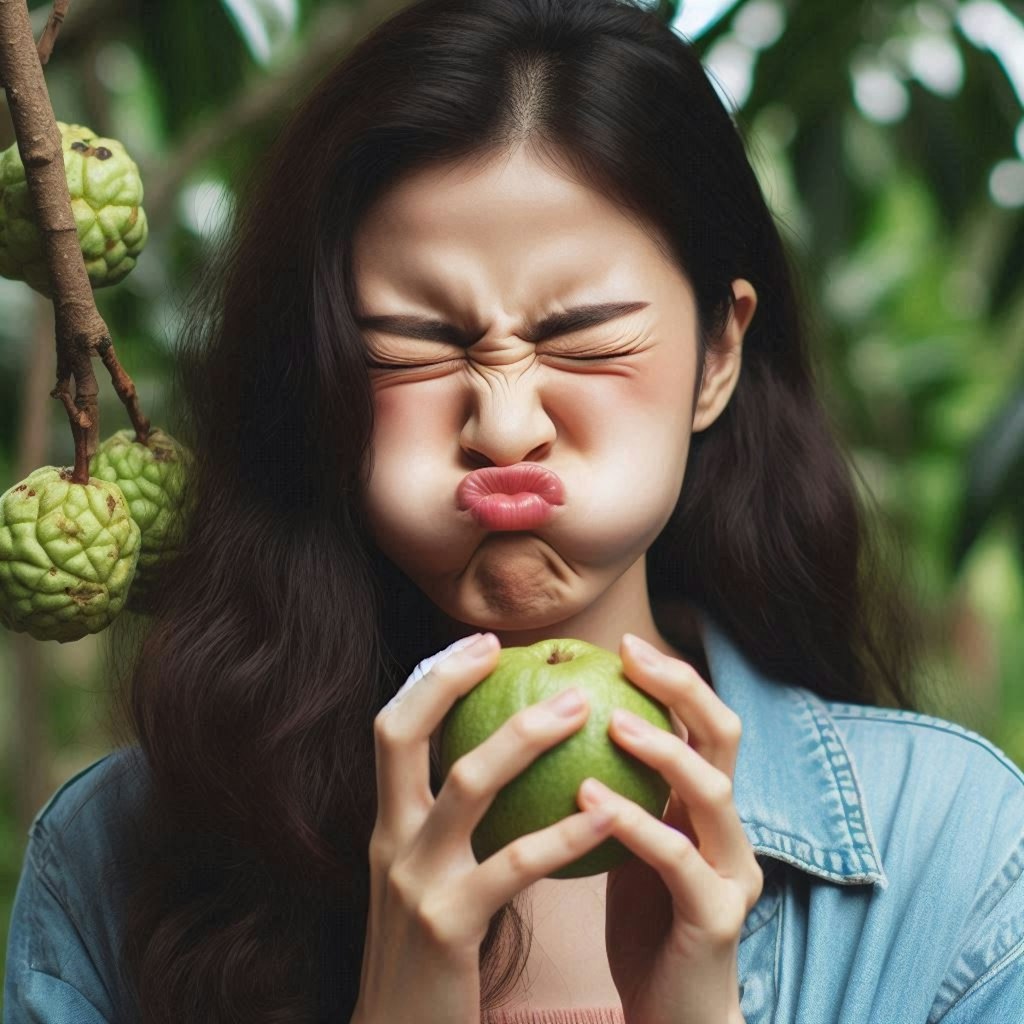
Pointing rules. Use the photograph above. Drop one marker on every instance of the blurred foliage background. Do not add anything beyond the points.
(889, 137)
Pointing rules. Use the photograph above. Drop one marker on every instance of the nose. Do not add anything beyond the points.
(507, 424)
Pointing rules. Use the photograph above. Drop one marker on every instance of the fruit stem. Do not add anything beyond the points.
(125, 388)
(46, 41)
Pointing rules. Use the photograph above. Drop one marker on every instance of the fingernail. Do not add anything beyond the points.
(567, 703)
(421, 670)
(463, 644)
(641, 649)
(594, 791)
(627, 722)
(483, 646)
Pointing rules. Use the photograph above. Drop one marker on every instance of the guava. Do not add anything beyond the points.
(67, 555)
(152, 478)
(545, 791)
(106, 200)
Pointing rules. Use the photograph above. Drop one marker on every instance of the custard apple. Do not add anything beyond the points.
(152, 477)
(67, 555)
(106, 197)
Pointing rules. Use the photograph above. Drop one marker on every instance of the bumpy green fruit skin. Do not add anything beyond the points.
(106, 200)
(152, 478)
(545, 791)
(67, 555)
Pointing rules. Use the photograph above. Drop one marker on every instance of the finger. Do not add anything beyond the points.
(527, 860)
(714, 728)
(678, 817)
(402, 735)
(706, 792)
(699, 894)
(426, 665)
(475, 779)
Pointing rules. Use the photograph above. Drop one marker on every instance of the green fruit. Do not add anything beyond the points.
(545, 791)
(106, 198)
(67, 555)
(152, 478)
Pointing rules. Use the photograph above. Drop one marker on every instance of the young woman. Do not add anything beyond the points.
(505, 342)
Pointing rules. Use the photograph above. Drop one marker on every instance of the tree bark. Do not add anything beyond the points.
(80, 329)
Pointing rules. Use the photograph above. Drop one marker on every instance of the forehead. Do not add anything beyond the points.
(510, 223)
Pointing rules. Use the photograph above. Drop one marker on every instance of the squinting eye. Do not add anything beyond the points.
(607, 357)
(446, 362)
(408, 366)
(590, 359)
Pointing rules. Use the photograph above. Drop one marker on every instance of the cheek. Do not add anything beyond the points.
(647, 428)
(410, 434)
(637, 417)
(411, 422)
(403, 412)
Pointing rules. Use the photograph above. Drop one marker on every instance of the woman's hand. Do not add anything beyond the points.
(673, 915)
(431, 902)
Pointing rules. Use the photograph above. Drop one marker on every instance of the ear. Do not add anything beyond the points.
(722, 365)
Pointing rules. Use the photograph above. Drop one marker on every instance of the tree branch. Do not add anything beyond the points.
(80, 329)
(88, 14)
(45, 45)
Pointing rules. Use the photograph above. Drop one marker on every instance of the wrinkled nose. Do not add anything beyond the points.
(507, 425)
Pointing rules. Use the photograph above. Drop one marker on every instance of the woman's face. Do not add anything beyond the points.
(492, 252)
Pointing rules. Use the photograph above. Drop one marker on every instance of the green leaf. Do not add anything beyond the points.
(264, 25)
(199, 62)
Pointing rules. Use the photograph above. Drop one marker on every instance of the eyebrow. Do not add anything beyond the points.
(565, 321)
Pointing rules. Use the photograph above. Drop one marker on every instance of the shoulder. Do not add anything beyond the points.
(65, 928)
(917, 727)
(90, 814)
(946, 806)
(945, 773)
(96, 782)
(928, 750)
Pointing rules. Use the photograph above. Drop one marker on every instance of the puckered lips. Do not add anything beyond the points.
(520, 497)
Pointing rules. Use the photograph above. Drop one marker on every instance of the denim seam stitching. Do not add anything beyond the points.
(1010, 957)
(778, 951)
(64, 981)
(1008, 888)
(43, 879)
(925, 722)
(40, 849)
(794, 860)
(40, 879)
(776, 906)
(869, 860)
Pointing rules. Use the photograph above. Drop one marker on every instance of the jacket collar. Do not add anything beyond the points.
(796, 786)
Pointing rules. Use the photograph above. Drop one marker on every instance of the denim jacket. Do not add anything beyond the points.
(892, 845)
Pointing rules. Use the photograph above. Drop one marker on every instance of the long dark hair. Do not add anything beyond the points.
(280, 631)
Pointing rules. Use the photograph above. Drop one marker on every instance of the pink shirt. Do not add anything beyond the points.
(576, 1015)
